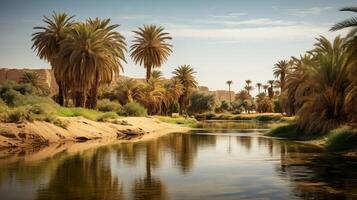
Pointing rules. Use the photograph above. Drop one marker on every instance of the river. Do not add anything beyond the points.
(221, 160)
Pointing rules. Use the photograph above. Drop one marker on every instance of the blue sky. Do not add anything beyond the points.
(223, 40)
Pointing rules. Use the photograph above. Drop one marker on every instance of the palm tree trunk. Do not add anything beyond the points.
(79, 99)
(148, 72)
(60, 93)
(229, 90)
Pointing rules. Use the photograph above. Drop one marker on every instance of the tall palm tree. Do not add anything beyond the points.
(150, 47)
(351, 50)
(185, 74)
(259, 85)
(101, 52)
(280, 70)
(229, 83)
(248, 88)
(271, 88)
(47, 44)
(248, 82)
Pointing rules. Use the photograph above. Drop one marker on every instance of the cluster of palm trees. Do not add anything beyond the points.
(87, 55)
(158, 95)
(320, 87)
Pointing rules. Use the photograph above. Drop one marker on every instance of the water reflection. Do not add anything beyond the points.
(204, 165)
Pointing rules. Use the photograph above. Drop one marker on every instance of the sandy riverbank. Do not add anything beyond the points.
(39, 133)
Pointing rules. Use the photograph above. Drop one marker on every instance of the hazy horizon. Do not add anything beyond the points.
(221, 40)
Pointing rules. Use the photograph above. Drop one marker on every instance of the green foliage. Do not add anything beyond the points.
(265, 118)
(106, 116)
(289, 131)
(341, 139)
(225, 106)
(105, 105)
(201, 102)
(133, 109)
(190, 122)
(277, 106)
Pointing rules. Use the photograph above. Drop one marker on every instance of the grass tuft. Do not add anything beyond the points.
(341, 139)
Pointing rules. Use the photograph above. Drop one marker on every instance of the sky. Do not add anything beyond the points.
(221, 39)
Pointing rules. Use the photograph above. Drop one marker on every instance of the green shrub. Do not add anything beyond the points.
(19, 114)
(202, 102)
(265, 118)
(289, 131)
(106, 116)
(105, 105)
(191, 122)
(133, 109)
(341, 139)
(205, 116)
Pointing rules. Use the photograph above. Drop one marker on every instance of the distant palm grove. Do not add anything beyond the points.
(318, 87)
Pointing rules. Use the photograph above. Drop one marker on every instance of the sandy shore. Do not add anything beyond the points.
(79, 129)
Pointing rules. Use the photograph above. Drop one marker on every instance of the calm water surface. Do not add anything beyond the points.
(230, 160)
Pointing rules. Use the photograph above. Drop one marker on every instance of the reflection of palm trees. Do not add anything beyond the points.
(149, 187)
(83, 177)
(245, 141)
(317, 176)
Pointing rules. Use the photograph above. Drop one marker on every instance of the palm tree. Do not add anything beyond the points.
(102, 50)
(259, 85)
(248, 82)
(156, 74)
(352, 22)
(47, 44)
(320, 87)
(248, 88)
(173, 90)
(280, 70)
(127, 90)
(229, 83)
(265, 87)
(270, 89)
(150, 48)
(34, 79)
(185, 74)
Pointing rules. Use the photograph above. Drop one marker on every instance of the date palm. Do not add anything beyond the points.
(265, 87)
(259, 85)
(352, 22)
(185, 74)
(271, 88)
(150, 48)
(90, 55)
(34, 79)
(229, 83)
(280, 70)
(46, 42)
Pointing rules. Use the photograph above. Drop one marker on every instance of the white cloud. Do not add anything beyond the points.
(256, 33)
(250, 22)
(230, 15)
(128, 17)
(308, 11)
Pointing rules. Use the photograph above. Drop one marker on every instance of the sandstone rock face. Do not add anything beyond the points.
(46, 76)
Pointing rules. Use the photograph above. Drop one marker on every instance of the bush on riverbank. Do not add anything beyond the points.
(229, 116)
(340, 139)
(190, 122)
(289, 131)
(133, 109)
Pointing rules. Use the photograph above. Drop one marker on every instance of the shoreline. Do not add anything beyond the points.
(39, 133)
